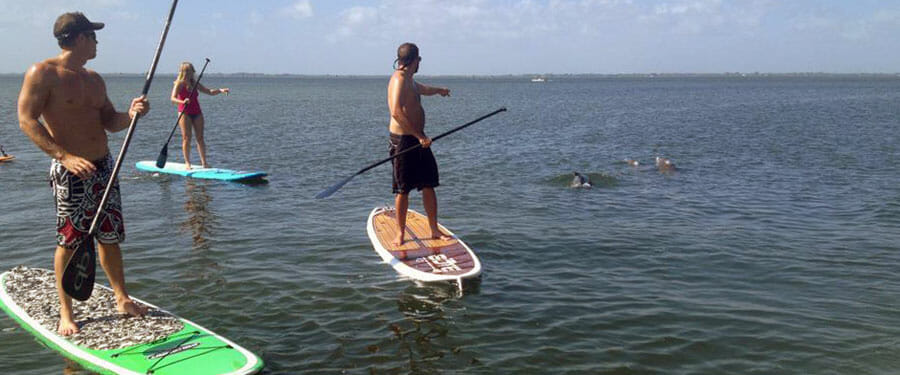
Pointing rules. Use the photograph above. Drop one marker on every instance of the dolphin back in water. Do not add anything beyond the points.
(664, 164)
(580, 181)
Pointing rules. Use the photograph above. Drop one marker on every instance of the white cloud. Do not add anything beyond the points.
(357, 21)
(359, 16)
(300, 10)
(885, 22)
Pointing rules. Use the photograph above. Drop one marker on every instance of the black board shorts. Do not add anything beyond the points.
(416, 169)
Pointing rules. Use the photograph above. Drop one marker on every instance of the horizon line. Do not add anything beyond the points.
(532, 75)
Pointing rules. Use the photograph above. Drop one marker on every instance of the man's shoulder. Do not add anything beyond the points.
(405, 82)
(40, 74)
(400, 76)
(93, 74)
(43, 69)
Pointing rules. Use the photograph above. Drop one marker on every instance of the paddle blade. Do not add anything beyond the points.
(78, 278)
(327, 192)
(163, 155)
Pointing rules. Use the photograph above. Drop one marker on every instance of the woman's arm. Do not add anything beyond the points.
(175, 89)
(215, 92)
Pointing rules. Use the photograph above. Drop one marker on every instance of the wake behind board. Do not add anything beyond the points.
(160, 343)
(207, 173)
(6, 158)
(421, 258)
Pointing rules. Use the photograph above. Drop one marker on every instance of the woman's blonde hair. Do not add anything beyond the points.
(182, 72)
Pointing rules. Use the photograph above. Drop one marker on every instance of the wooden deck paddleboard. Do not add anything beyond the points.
(420, 258)
(159, 343)
(195, 172)
(6, 158)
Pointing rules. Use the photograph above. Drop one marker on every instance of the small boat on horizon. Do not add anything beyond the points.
(538, 79)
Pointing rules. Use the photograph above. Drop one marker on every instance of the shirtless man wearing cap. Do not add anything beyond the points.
(77, 113)
(416, 169)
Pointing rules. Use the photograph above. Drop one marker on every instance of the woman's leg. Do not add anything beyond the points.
(201, 143)
(186, 125)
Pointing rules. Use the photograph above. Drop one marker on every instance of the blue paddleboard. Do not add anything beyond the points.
(197, 172)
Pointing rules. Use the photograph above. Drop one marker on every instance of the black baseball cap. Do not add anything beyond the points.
(72, 23)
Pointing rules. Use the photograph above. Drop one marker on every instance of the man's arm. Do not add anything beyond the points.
(113, 121)
(432, 90)
(32, 101)
(116, 121)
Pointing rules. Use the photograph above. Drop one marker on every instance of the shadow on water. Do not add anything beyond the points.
(73, 368)
(200, 222)
(254, 182)
(423, 339)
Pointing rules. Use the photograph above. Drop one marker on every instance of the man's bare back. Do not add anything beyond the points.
(403, 87)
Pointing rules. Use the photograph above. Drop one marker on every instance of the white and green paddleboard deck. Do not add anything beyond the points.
(110, 343)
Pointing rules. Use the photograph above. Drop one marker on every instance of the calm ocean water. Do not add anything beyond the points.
(773, 249)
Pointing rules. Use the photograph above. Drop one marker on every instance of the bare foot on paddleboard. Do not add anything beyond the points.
(398, 241)
(437, 234)
(129, 307)
(187, 166)
(67, 326)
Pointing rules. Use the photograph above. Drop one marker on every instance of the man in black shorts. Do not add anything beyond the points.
(416, 169)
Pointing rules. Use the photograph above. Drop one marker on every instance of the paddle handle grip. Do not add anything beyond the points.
(162, 41)
(134, 120)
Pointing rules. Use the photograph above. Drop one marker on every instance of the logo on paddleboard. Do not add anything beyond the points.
(440, 263)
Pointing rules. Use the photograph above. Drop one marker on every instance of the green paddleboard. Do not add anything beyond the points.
(110, 343)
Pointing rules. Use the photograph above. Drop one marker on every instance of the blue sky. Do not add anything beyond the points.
(464, 37)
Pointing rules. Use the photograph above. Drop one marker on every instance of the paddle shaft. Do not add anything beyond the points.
(333, 188)
(454, 130)
(181, 114)
(134, 120)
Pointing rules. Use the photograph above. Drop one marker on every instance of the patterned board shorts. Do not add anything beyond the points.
(76, 204)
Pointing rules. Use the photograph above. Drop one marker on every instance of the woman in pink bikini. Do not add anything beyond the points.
(193, 116)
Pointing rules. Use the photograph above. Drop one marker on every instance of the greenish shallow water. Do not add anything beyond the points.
(773, 249)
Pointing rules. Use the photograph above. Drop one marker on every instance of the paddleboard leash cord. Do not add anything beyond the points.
(178, 348)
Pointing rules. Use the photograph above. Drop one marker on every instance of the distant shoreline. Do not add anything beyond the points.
(547, 76)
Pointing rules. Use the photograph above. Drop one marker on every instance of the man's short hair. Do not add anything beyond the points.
(407, 54)
(69, 25)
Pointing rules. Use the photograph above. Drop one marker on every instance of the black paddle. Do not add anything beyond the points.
(164, 153)
(78, 278)
(328, 192)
